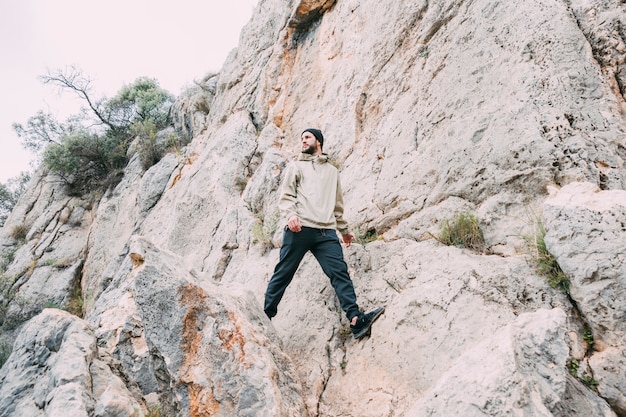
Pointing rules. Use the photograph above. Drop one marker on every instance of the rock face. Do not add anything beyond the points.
(55, 370)
(521, 368)
(587, 231)
(201, 348)
(429, 109)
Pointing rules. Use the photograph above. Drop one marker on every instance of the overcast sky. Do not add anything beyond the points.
(113, 42)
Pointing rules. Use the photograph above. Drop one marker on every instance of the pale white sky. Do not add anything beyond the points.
(114, 43)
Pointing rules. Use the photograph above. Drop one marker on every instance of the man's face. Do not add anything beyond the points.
(310, 145)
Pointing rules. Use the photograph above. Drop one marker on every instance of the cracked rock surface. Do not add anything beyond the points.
(512, 111)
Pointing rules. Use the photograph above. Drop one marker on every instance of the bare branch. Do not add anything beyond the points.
(74, 80)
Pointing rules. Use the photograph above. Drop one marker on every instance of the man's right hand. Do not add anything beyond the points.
(294, 224)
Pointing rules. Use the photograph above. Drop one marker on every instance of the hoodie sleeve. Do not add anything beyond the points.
(287, 204)
(342, 225)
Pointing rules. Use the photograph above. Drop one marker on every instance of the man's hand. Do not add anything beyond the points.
(347, 239)
(294, 224)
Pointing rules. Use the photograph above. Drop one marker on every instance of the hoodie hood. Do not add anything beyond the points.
(320, 159)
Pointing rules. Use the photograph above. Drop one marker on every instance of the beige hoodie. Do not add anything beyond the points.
(311, 190)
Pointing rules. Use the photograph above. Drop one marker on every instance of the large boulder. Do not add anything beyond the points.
(201, 348)
(43, 245)
(586, 232)
(54, 370)
(519, 370)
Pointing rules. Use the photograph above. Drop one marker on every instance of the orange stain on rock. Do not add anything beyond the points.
(188, 161)
(231, 338)
(202, 402)
(192, 297)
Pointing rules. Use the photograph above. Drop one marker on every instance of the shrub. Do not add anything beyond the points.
(89, 150)
(462, 231)
(263, 231)
(52, 304)
(146, 143)
(365, 236)
(241, 183)
(544, 261)
(141, 101)
(6, 258)
(588, 336)
(589, 381)
(5, 351)
(10, 192)
(32, 265)
(6, 288)
(75, 303)
(344, 333)
(84, 161)
(574, 366)
(154, 411)
(19, 232)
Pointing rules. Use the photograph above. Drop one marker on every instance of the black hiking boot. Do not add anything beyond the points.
(364, 322)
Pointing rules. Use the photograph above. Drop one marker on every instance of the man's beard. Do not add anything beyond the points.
(310, 150)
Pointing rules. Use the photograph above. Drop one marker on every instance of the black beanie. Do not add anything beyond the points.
(317, 133)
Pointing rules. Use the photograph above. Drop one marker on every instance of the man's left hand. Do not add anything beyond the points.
(347, 239)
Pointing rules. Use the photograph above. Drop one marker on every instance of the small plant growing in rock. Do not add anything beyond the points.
(50, 262)
(364, 236)
(462, 231)
(5, 351)
(10, 192)
(344, 333)
(147, 144)
(52, 304)
(263, 231)
(19, 232)
(6, 287)
(588, 336)
(574, 365)
(545, 262)
(75, 303)
(241, 183)
(589, 381)
(6, 258)
(32, 265)
(154, 411)
(585, 378)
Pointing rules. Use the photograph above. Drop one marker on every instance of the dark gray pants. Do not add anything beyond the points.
(325, 246)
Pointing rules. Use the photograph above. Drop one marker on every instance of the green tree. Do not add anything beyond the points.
(10, 193)
(89, 150)
(40, 130)
(139, 102)
(86, 161)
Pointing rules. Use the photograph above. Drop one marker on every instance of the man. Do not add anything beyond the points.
(311, 203)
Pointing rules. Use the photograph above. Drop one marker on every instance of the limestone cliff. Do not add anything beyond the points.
(514, 111)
